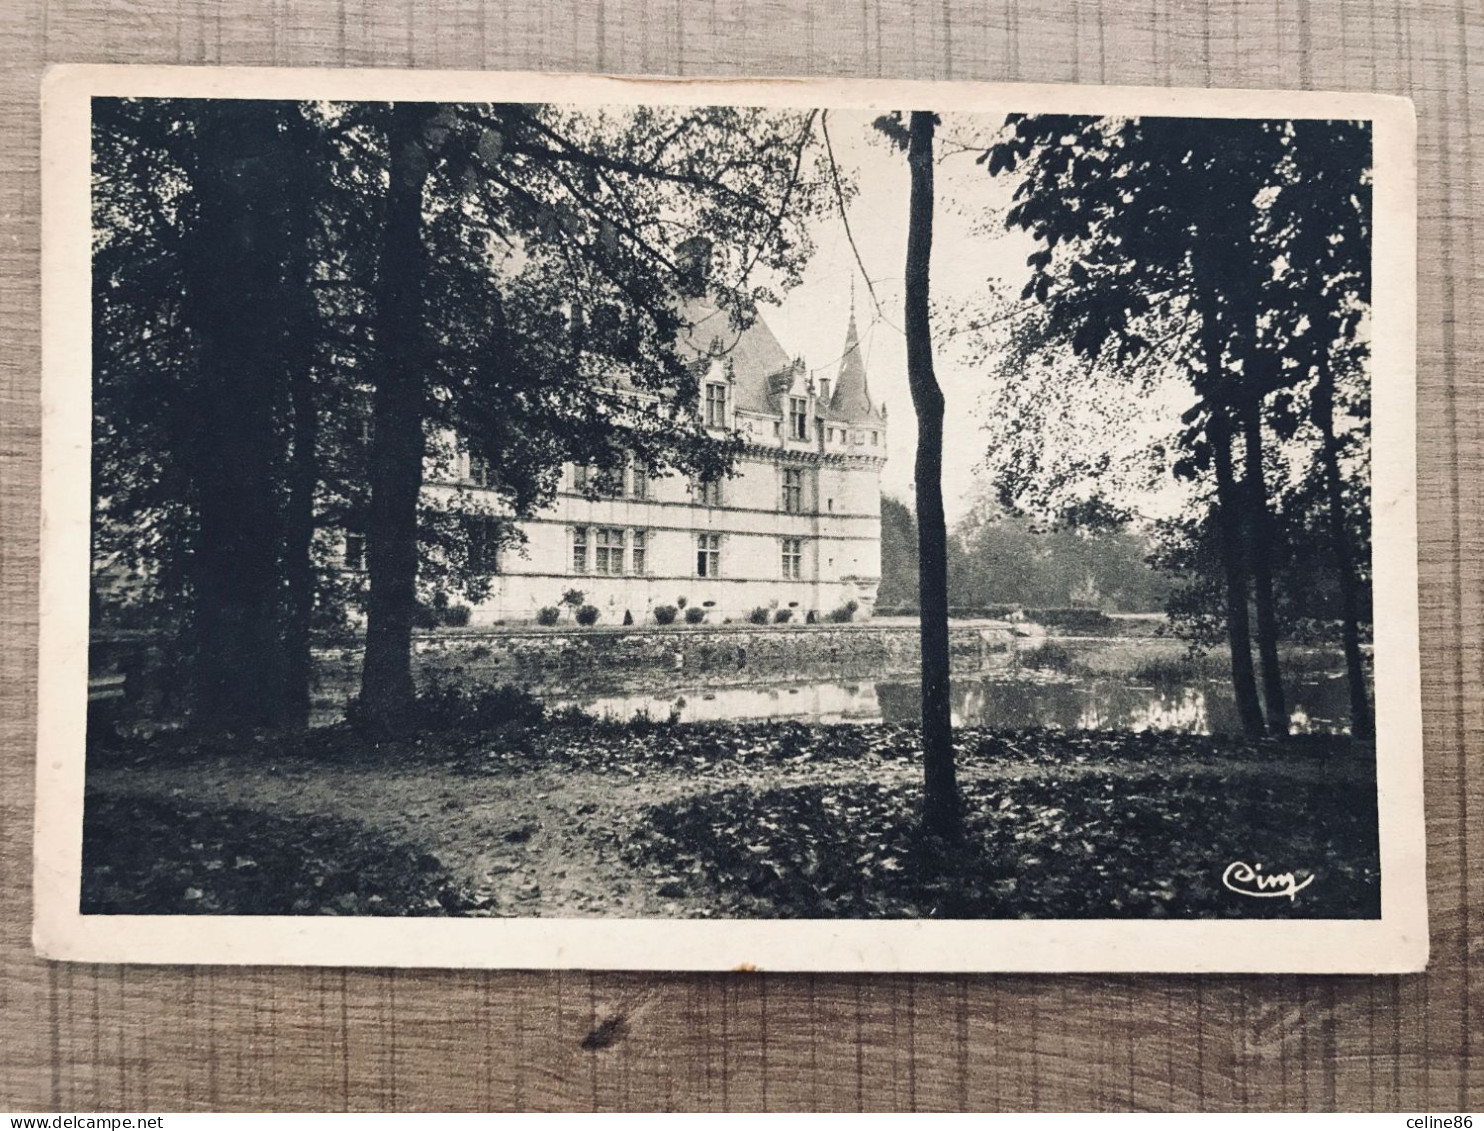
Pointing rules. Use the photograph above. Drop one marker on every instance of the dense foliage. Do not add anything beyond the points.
(302, 309)
(1216, 273)
(999, 559)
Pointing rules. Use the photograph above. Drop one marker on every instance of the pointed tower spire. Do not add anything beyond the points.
(852, 399)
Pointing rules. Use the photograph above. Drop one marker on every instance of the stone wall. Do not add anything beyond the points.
(734, 653)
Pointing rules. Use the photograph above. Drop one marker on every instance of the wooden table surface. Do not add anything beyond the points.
(79, 1038)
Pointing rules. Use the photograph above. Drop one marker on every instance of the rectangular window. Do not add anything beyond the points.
(708, 492)
(608, 558)
(579, 549)
(639, 481)
(609, 484)
(641, 548)
(355, 552)
(484, 543)
(777, 428)
(716, 406)
(708, 555)
(874, 436)
(793, 559)
(798, 418)
(579, 477)
(793, 490)
(479, 470)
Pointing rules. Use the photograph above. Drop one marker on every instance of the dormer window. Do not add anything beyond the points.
(798, 418)
(716, 405)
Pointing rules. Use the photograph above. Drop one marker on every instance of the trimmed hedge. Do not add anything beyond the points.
(844, 614)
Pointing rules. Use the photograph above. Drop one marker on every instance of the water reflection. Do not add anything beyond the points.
(826, 702)
(1317, 704)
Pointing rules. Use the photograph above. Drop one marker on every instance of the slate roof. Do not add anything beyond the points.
(850, 395)
(763, 368)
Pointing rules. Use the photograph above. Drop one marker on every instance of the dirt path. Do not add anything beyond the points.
(544, 842)
(541, 842)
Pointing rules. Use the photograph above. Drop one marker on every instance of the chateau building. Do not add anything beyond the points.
(796, 527)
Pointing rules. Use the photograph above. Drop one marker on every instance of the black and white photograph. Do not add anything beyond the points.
(548, 502)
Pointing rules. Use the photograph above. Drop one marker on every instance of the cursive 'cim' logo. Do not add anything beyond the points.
(1250, 879)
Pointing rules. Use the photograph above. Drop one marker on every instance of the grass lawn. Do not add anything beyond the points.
(570, 817)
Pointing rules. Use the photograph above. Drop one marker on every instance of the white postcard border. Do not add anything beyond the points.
(1395, 943)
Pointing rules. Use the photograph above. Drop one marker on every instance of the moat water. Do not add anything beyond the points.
(1318, 703)
(1112, 683)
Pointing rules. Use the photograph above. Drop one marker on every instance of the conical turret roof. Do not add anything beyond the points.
(850, 399)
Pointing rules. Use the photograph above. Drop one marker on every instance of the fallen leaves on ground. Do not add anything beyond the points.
(151, 857)
(637, 747)
(1149, 846)
(745, 819)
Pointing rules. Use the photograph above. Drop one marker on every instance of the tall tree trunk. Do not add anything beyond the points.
(298, 548)
(303, 325)
(1233, 565)
(1362, 722)
(397, 418)
(941, 816)
(234, 288)
(1214, 387)
(1228, 513)
(1260, 550)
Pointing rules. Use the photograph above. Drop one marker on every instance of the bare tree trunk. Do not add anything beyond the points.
(234, 288)
(1260, 549)
(397, 416)
(941, 815)
(1362, 722)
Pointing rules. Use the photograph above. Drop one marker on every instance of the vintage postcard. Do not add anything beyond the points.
(522, 520)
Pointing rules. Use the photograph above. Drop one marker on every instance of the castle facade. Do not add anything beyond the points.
(795, 530)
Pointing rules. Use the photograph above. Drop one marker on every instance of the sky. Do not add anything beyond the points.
(971, 251)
